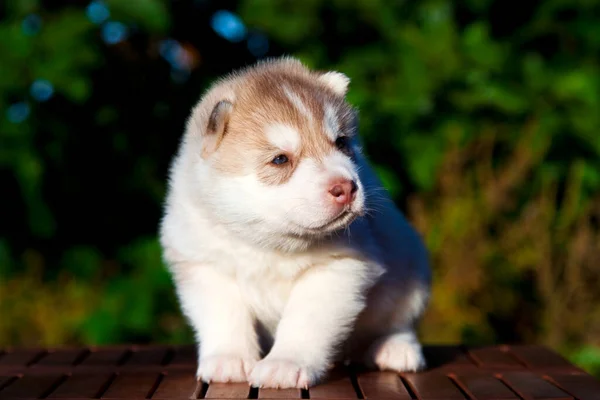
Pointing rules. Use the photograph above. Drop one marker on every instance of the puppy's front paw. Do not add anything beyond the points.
(225, 368)
(399, 352)
(282, 374)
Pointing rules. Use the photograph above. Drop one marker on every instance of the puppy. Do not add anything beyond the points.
(286, 252)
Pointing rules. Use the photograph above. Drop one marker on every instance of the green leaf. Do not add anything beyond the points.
(151, 15)
(389, 180)
(83, 261)
(423, 156)
(588, 357)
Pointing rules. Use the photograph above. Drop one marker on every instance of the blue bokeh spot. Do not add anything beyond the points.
(31, 24)
(97, 11)
(169, 49)
(114, 32)
(18, 112)
(228, 25)
(41, 90)
(258, 44)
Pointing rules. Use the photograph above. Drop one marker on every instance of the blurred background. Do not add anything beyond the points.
(482, 117)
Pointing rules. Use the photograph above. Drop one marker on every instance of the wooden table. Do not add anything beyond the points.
(163, 372)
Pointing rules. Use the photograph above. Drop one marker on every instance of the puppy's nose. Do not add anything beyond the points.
(344, 191)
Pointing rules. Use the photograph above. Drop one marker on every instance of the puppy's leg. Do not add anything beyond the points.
(322, 307)
(222, 322)
(399, 351)
(396, 346)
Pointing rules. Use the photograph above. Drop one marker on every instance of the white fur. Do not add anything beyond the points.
(399, 351)
(331, 123)
(337, 81)
(273, 296)
(297, 102)
(283, 136)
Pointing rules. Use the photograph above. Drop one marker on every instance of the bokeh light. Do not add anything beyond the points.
(169, 49)
(114, 32)
(41, 90)
(228, 25)
(183, 58)
(31, 24)
(97, 12)
(18, 112)
(258, 44)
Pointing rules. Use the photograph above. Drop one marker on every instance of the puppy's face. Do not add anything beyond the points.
(282, 164)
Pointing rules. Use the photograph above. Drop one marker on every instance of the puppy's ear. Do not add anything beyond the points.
(216, 126)
(336, 81)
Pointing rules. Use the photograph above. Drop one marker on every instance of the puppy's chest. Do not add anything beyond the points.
(266, 299)
(266, 286)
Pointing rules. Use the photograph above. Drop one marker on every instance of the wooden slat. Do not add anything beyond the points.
(584, 386)
(483, 373)
(60, 358)
(484, 386)
(445, 356)
(103, 358)
(81, 386)
(178, 385)
(131, 385)
(382, 385)
(147, 357)
(337, 385)
(279, 394)
(184, 355)
(4, 379)
(20, 357)
(431, 385)
(540, 357)
(227, 391)
(531, 386)
(30, 387)
(494, 357)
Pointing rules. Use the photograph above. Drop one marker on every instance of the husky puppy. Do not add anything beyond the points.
(286, 252)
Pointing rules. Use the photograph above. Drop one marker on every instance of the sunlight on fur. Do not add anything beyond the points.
(275, 219)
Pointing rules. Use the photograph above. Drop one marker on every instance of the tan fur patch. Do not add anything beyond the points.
(270, 94)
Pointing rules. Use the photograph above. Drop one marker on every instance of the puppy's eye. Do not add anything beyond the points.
(280, 159)
(342, 143)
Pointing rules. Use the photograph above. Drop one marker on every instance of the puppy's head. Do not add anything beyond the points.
(276, 154)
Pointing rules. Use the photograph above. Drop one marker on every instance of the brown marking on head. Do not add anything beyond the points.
(282, 92)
